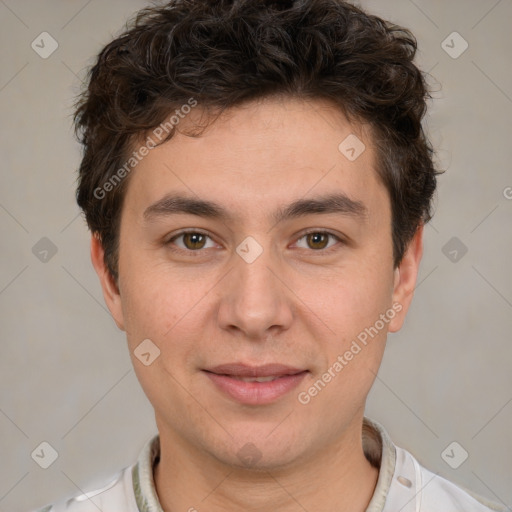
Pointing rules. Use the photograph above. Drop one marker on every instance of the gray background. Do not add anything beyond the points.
(65, 373)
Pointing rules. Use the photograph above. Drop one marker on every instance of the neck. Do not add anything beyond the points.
(338, 478)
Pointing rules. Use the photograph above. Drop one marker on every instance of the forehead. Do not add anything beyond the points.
(258, 154)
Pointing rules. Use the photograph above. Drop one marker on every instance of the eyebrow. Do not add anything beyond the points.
(339, 203)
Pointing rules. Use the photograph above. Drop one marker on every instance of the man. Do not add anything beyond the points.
(256, 180)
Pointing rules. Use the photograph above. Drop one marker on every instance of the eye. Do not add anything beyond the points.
(191, 240)
(318, 240)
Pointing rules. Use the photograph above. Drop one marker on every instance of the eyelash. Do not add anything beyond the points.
(198, 252)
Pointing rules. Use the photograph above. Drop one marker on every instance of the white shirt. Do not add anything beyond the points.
(402, 486)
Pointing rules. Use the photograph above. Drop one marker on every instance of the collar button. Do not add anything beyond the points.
(404, 481)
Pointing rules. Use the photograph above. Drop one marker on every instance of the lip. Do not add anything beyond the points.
(226, 378)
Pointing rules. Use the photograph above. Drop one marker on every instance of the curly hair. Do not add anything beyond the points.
(222, 53)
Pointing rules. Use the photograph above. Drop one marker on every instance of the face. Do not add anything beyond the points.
(258, 249)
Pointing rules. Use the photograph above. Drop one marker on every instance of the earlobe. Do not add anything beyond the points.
(405, 278)
(110, 288)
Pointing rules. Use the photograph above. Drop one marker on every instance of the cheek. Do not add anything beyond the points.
(152, 306)
(164, 311)
(354, 300)
(356, 306)
(352, 355)
(146, 310)
(170, 310)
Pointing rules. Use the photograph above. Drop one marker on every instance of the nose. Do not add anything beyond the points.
(254, 301)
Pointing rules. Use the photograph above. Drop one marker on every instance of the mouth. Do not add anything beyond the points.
(255, 385)
(255, 379)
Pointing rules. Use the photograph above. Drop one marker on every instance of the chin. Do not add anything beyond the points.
(255, 449)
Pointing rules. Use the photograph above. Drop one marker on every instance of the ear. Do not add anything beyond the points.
(110, 289)
(405, 279)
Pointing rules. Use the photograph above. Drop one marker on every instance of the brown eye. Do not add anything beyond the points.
(190, 241)
(193, 240)
(317, 240)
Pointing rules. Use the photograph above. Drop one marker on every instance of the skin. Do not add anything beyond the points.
(296, 304)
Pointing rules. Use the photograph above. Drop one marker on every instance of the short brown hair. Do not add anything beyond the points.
(226, 52)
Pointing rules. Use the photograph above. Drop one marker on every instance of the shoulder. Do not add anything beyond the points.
(117, 494)
(430, 491)
(131, 486)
